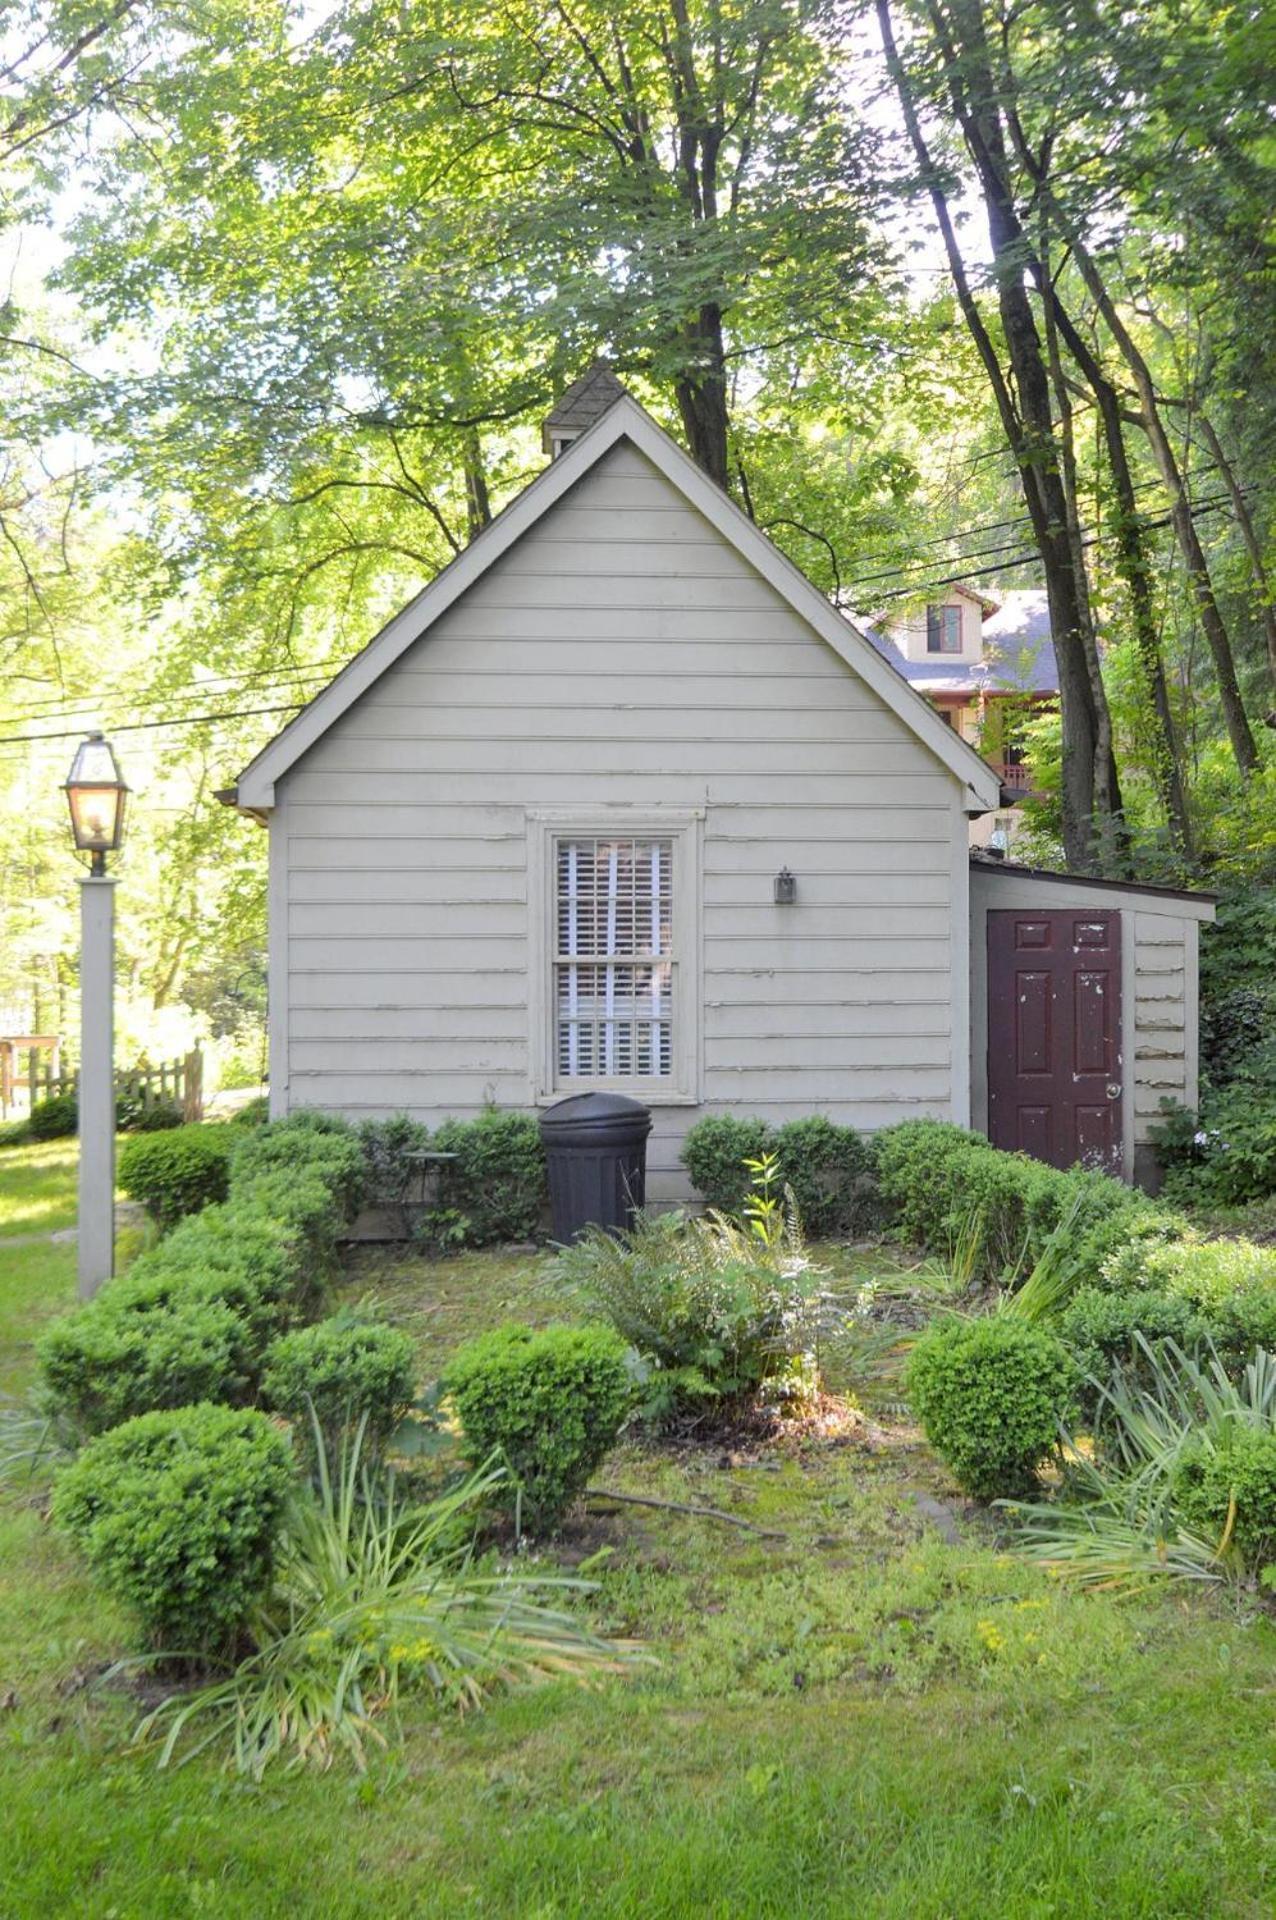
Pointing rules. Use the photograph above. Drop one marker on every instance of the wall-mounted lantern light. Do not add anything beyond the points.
(96, 795)
(785, 888)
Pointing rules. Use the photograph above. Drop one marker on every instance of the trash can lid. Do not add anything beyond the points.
(597, 1114)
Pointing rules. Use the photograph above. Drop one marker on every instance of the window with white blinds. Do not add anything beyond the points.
(613, 958)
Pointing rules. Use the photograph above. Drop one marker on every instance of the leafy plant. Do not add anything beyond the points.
(308, 1144)
(1226, 1487)
(715, 1311)
(829, 1171)
(992, 1395)
(715, 1154)
(177, 1514)
(338, 1374)
(177, 1172)
(1103, 1330)
(134, 1352)
(388, 1150)
(549, 1404)
(374, 1599)
(497, 1181)
(1122, 1520)
(53, 1119)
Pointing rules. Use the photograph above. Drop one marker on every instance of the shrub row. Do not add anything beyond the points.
(828, 1168)
(58, 1117)
(940, 1185)
(493, 1188)
(193, 1318)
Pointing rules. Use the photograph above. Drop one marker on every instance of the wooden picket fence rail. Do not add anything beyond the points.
(173, 1083)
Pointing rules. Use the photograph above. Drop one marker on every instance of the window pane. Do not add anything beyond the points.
(943, 629)
(613, 972)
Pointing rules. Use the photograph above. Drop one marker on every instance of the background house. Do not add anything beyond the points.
(529, 841)
(985, 664)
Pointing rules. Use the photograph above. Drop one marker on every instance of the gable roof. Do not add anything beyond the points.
(623, 420)
(1018, 652)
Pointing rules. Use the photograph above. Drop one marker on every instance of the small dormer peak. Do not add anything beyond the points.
(585, 401)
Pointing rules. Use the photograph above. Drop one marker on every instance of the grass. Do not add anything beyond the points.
(860, 1718)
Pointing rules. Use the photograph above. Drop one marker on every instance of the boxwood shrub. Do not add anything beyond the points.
(338, 1373)
(53, 1119)
(1099, 1329)
(177, 1513)
(176, 1173)
(714, 1153)
(130, 1352)
(497, 1182)
(829, 1168)
(311, 1145)
(549, 1404)
(1241, 1469)
(992, 1395)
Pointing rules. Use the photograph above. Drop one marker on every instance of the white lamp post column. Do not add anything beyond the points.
(96, 1245)
(96, 795)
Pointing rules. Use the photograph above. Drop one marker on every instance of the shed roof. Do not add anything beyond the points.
(1196, 901)
(625, 420)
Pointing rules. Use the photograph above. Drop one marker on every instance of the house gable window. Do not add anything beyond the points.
(943, 629)
(614, 967)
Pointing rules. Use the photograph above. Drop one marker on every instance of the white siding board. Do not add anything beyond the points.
(622, 657)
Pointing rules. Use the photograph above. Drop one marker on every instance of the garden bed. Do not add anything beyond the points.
(862, 1703)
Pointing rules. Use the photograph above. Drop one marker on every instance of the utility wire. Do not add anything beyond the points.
(140, 726)
(266, 681)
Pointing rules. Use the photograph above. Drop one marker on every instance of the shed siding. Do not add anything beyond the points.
(1159, 990)
(623, 654)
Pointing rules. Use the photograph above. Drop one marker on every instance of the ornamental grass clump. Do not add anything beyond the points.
(374, 1601)
(177, 1514)
(993, 1396)
(549, 1405)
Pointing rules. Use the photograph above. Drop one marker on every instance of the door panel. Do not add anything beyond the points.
(1054, 1036)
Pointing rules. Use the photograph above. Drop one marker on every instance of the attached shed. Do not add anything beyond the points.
(530, 840)
(1084, 1013)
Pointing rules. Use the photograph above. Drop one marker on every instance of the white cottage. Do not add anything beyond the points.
(620, 800)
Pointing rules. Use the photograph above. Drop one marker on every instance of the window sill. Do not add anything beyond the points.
(636, 1090)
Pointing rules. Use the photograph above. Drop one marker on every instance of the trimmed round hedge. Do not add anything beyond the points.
(550, 1404)
(177, 1514)
(992, 1395)
(340, 1372)
(1228, 1492)
(176, 1172)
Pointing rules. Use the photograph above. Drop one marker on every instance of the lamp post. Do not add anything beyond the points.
(96, 794)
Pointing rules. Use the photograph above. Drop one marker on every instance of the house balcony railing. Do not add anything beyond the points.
(1013, 774)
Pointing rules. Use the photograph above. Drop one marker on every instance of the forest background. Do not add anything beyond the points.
(978, 290)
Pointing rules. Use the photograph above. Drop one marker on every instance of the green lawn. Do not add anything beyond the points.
(858, 1719)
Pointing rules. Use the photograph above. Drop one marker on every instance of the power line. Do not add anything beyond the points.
(140, 726)
(265, 681)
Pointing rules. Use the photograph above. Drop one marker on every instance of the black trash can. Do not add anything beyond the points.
(596, 1149)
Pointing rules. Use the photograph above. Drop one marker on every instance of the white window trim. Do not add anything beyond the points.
(685, 829)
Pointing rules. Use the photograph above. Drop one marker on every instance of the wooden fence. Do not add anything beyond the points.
(173, 1083)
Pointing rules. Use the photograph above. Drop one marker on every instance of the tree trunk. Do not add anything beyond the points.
(1027, 414)
(702, 393)
(1249, 535)
(1181, 517)
(478, 507)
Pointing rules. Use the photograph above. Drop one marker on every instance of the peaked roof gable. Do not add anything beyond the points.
(624, 420)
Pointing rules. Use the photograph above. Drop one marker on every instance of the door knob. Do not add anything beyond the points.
(1114, 1089)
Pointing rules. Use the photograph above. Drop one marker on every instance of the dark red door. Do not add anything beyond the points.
(1054, 1036)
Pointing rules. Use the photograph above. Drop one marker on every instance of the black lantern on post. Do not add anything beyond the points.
(96, 795)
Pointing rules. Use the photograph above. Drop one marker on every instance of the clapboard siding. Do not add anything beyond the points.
(622, 657)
